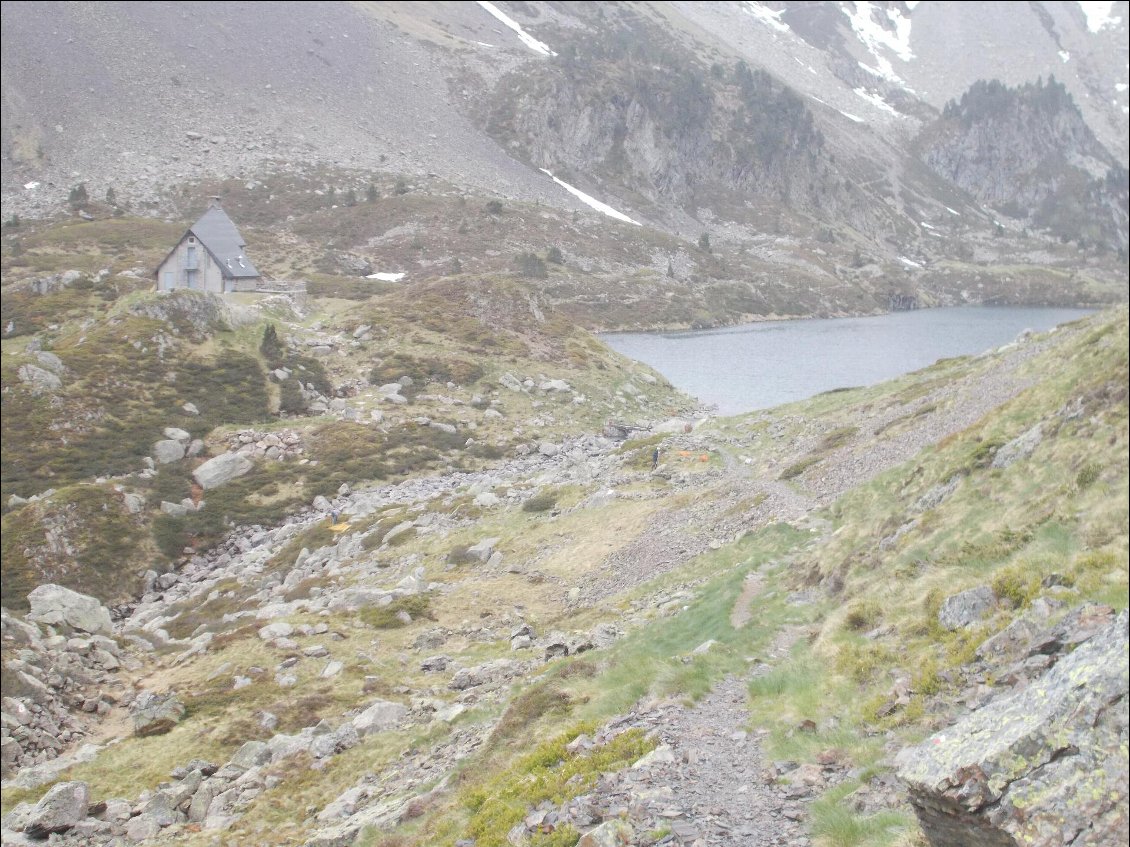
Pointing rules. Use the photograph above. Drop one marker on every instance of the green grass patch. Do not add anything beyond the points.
(551, 773)
(838, 826)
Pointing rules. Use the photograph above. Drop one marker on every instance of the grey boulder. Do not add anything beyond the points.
(967, 608)
(155, 714)
(59, 810)
(168, 451)
(55, 605)
(379, 716)
(222, 469)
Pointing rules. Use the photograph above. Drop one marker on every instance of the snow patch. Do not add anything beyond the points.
(850, 117)
(1120, 86)
(926, 225)
(31, 186)
(875, 100)
(874, 36)
(1098, 14)
(1063, 54)
(953, 211)
(603, 208)
(386, 277)
(767, 16)
(909, 263)
(526, 38)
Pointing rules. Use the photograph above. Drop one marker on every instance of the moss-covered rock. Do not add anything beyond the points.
(1041, 766)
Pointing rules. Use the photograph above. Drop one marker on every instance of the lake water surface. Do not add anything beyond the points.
(755, 366)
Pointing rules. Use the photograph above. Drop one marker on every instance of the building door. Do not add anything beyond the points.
(190, 266)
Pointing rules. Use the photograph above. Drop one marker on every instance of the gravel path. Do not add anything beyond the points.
(957, 406)
(707, 781)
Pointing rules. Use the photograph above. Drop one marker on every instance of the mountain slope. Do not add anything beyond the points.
(770, 172)
(1028, 153)
(416, 679)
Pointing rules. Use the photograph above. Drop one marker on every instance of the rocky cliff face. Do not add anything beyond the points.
(628, 105)
(1027, 152)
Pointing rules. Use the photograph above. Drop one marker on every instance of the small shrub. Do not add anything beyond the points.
(927, 679)
(1088, 476)
(531, 265)
(385, 617)
(171, 535)
(562, 836)
(460, 555)
(271, 347)
(540, 502)
(78, 198)
(423, 370)
(494, 207)
(797, 468)
(837, 438)
(553, 254)
(549, 771)
(983, 453)
(862, 662)
(291, 401)
(582, 668)
(530, 705)
(863, 614)
(1016, 584)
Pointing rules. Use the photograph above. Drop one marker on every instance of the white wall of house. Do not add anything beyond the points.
(190, 266)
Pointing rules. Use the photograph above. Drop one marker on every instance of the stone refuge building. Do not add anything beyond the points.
(209, 257)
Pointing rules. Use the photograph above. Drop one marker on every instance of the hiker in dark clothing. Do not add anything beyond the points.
(655, 458)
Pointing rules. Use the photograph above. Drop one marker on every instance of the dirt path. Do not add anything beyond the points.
(708, 783)
(742, 613)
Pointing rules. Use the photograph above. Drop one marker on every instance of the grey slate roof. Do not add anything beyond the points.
(219, 236)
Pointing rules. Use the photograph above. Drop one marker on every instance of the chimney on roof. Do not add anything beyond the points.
(215, 204)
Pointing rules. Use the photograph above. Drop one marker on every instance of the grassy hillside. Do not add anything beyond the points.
(854, 587)
(130, 364)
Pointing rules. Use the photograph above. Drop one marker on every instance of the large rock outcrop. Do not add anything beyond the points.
(54, 605)
(1045, 765)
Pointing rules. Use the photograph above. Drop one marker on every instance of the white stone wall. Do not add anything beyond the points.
(209, 276)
